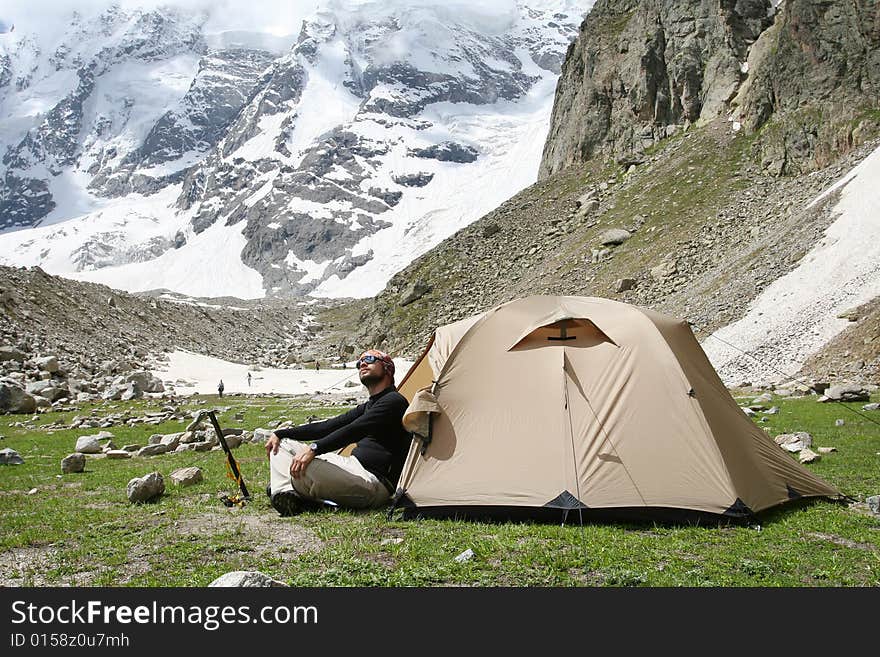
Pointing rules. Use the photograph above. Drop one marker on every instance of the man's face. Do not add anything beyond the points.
(371, 372)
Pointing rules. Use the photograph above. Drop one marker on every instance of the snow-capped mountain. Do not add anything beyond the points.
(143, 151)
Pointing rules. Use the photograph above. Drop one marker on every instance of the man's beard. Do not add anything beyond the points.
(368, 379)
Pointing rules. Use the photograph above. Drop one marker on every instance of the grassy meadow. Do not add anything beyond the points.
(80, 529)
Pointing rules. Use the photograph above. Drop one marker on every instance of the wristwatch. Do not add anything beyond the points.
(314, 447)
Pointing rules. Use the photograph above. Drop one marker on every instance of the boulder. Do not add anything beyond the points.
(73, 463)
(847, 392)
(794, 442)
(88, 445)
(186, 476)
(146, 488)
(47, 364)
(14, 399)
(10, 457)
(614, 236)
(152, 450)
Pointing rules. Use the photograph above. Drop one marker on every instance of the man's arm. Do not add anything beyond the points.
(312, 431)
(382, 415)
(316, 430)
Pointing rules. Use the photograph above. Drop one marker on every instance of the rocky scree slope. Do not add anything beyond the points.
(95, 334)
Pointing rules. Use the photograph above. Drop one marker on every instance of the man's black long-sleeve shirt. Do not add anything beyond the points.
(376, 427)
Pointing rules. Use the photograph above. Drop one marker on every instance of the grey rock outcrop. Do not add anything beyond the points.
(640, 67)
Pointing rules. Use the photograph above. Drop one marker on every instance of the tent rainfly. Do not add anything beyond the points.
(549, 406)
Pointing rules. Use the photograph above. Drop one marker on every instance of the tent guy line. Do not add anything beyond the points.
(792, 377)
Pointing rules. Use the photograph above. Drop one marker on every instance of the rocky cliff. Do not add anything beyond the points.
(806, 74)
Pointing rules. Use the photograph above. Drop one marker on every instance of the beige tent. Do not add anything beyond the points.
(547, 405)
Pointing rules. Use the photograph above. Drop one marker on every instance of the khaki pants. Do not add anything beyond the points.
(340, 479)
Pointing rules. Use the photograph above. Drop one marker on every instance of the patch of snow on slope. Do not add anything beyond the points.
(797, 314)
(208, 265)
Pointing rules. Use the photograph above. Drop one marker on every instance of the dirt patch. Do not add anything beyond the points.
(26, 566)
(255, 534)
(263, 533)
(845, 542)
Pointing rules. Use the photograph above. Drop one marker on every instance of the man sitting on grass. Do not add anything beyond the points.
(305, 468)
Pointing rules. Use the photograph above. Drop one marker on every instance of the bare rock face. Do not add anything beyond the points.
(146, 488)
(640, 67)
(819, 54)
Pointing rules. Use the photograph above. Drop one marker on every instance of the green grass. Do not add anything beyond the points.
(80, 529)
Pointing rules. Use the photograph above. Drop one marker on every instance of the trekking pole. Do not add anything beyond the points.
(232, 467)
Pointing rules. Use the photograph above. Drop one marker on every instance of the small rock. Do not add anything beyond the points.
(117, 454)
(467, 555)
(826, 450)
(246, 578)
(808, 456)
(152, 450)
(839, 423)
(32, 491)
(873, 503)
(871, 407)
(794, 442)
(186, 476)
(624, 284)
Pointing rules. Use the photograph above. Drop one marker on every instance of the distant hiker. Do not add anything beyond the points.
(317, 365)
(305, 467)
(220, 388)
(249, 379)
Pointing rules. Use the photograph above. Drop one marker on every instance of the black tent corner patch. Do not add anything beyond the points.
(401, 500)
(738, 509)
(792, 493)
(565, 500)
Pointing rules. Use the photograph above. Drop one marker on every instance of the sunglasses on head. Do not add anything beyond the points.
(368, 359)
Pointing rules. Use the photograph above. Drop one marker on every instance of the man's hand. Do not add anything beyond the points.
(272, 444)
(300, 462)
